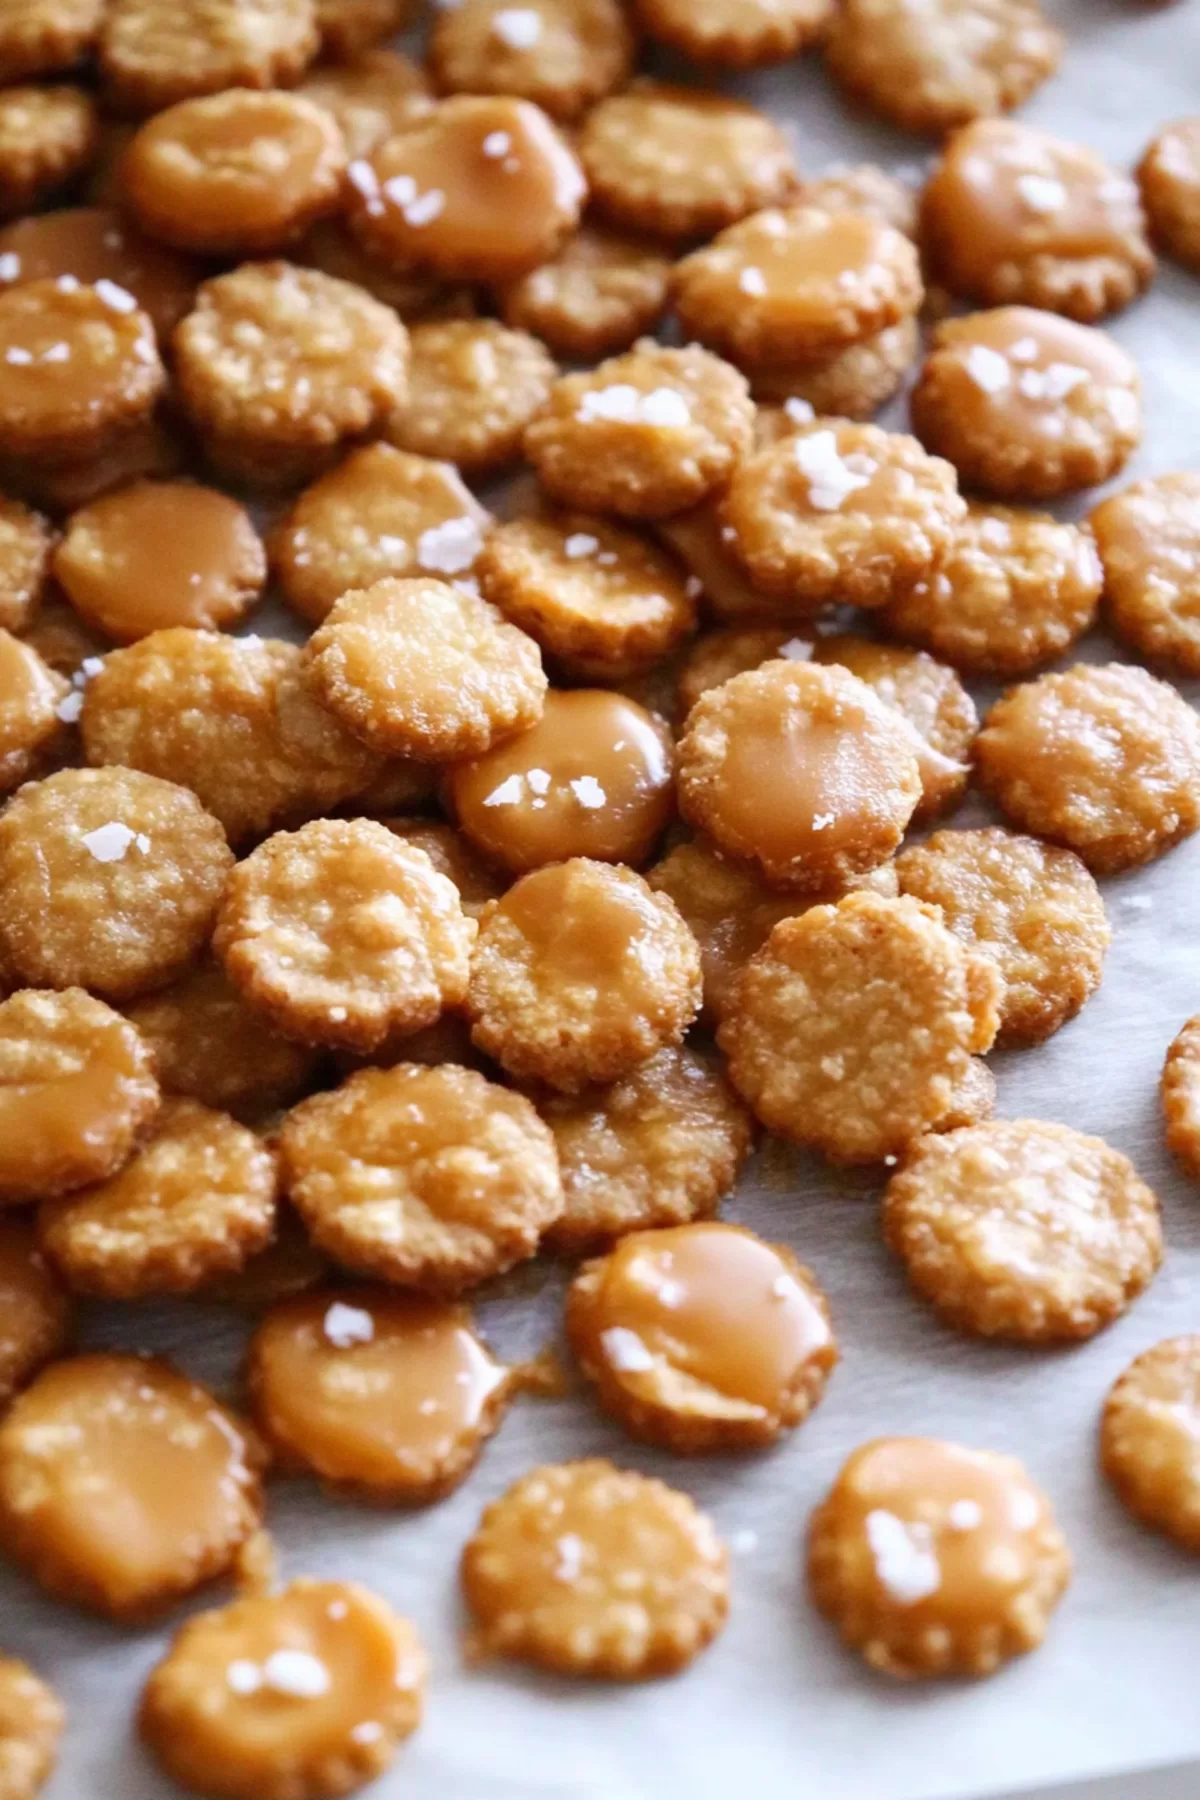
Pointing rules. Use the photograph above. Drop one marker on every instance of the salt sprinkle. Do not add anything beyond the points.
(799, 411)
(570, 1557)
(830, 480)
(1053, 383)
(1024, 1511)
(622, 402)
(10, 266)
(752, 281)
(904, 1559)
(243, 1676)
(1024, 350)
(449, 548)
(518, 26)
(796, 650)
(507, 794)
(965, 1515)
(693, 587)
(92, 665)
(400, 188)
(988, 369)
(297, 1673)
(109, 843)
(425, 208)
(822, 821)
(588, 792)
(70, 708)
(18, 357)
(1041, 193)
(370, 1731)
(361, 175)
(497, 144)
(346, 1325)
(57, 353)
(579, 544)
(625, 1350)
(119, 298)
(782, 1287)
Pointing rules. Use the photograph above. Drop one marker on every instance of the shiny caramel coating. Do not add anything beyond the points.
(932, 68)
(564, 55)
(933, 1560)
(341, 934)
(1025, 405)
(155, 52)
(381, 512)
(1169, 178)
(124, 1486)
(46, 37)
(421, 668)
(431, 1178)
(277, 366)
(1148, 537)
(31, 725)
(840, 512)
(1014, 590)
(371, 96)
(1179, 1094)
(932, 701)
(37, 1313)
(1023, 1230)
(702, 1337)
(731, 912)
(109, 879)
(1148, 1432)
(851, 1030)
(481, 190)
(25, 545)
(302, 1694)
(231, 718)
(77, 1091)
(580, 973)
(601, 292)
(194, 1203)
(1031, 907)
(157, 554)
(31, 1724)
(602, 601)
(473, 387)
(239, 173)
(594, 777)
(95, 243)
(47, 136)
(680, 163)
(1015, 216)
(660, 1147)
(59, 405)
(207, 1044)
(646, 434)
(585, 1569)
(1104, 759)
(384, 1397)
(796, 284)
(852, 776)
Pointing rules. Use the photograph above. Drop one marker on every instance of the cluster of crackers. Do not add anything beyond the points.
(567, 855)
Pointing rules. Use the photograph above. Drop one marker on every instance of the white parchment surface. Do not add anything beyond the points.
(775, 1709)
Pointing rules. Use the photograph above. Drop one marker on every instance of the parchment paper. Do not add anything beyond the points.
(775, 1709)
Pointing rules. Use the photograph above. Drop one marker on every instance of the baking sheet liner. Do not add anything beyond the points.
(776, 1708)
